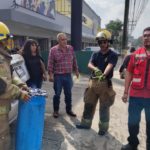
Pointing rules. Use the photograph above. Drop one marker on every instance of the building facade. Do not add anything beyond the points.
(43, 19)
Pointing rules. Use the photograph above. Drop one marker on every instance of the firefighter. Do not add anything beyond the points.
(8, 89)
(100, 87)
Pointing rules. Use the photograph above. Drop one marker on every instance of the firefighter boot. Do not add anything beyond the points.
(85, 124)
(103, 128)
(128, 147)
(86, 121)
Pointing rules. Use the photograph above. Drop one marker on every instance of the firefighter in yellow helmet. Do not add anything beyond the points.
(10, 88)
(100, 87)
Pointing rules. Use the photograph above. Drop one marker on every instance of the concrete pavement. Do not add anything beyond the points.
(61, 134)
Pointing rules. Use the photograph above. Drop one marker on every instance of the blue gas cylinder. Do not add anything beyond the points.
(30, 124)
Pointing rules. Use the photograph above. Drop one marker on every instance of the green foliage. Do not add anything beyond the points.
(137, 42)
(115, 26)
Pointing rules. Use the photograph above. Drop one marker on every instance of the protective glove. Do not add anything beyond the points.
(101, 77)
(25, 88)
(97, 72)
(24, 95)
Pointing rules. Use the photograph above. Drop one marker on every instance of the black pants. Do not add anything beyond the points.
(136, 105)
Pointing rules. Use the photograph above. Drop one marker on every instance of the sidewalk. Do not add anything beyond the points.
(61, 134)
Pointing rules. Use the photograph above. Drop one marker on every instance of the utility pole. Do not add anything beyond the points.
(76, 24)
(125, 26)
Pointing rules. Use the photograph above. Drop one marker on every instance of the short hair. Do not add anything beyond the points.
(132, 49)
(146, 29)
(60, 34)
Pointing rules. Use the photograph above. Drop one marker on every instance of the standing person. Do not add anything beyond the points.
(34, 64)
(8, 89)
(125, 63)
(138, 75)
(61, 63)
(100, 87)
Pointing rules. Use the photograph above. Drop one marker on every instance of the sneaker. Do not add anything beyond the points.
(72, 114)
(55, 114)
(81, 126)
(128, 147)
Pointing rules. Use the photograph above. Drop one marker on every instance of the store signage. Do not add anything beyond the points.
(44, 7)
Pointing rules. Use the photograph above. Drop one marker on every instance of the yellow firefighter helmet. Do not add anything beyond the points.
(103, 35)
(4, 31)
(5, 34)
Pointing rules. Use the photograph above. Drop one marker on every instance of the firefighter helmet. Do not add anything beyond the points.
(103, 35)
(4, 31)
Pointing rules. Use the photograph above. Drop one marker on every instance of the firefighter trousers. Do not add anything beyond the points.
(98, 91)
(4, 132)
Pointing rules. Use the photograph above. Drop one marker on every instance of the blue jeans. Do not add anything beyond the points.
(136, 105)
(62, 81)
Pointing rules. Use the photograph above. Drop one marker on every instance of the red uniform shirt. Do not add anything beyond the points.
(139, 66)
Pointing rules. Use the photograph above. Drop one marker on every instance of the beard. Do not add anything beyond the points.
(147, 47)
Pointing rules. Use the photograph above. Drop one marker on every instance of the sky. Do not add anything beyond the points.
(114, 9)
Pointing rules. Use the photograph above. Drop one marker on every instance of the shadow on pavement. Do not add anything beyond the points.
(61, 134)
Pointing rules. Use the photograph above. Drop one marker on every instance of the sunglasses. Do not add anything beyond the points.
(102, 42)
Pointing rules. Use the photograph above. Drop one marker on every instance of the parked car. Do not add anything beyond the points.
(92, 48)
(20, 70)
(97, 48)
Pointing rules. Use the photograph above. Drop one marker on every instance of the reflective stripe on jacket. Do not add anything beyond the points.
(141, 71)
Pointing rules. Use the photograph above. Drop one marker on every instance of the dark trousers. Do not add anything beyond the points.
(34, 84)
(136, 105)
(62, 81)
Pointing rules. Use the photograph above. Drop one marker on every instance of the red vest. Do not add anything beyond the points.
(140, 67)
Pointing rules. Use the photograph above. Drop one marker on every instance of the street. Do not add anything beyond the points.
(61, 134)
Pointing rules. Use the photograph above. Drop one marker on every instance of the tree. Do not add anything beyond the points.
(115, 27)
(137, 42)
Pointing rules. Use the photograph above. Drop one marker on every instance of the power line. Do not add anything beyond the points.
(139, 10)
(136, 9)
(134, 4)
